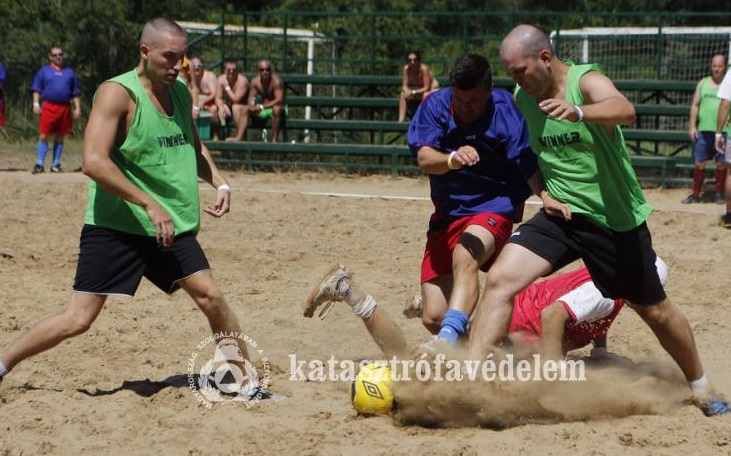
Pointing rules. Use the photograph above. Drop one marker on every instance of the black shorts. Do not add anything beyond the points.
(621, 263)
(113, 263)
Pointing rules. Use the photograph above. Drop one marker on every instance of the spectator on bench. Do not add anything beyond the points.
(416, 83)
(231, 91)
(266, 100)
(203, 88)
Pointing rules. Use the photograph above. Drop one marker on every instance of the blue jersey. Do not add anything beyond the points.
(57, 85)
(497, 183)
(3, 76)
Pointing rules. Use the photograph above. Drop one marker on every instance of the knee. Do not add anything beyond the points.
(77, 323)
(210, 301)
(463, 260)
(657, 315)
(431, 318)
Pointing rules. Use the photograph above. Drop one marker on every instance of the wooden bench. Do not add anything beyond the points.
(348, 157)
(653, 168)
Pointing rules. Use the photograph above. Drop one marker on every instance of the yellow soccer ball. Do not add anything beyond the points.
(371, 392)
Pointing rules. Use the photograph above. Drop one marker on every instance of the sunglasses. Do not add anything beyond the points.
(231, 70)
(60, 54)
(265, 69)
(197, 67)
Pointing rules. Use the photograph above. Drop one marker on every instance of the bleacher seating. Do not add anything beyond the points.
(655, 149)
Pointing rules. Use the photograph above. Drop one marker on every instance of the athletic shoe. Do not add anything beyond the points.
(719, 199)
(57, 169)
(691, 199)
(725, 220)
(413, 307)
(333, 287)
(714, 407)
(37, 169)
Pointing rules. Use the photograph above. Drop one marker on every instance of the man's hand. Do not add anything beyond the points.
(464, 156)
(554, 207)
(222, 205)
(720, 144)
(163, 224)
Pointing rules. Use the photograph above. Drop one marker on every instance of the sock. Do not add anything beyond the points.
(698, 175)
(700, 385)
(720, 181)
(453, 326)
(57, 152)
(364, 309)
(3, 369)
(42, 148)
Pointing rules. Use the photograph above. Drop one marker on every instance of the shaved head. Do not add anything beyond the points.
(156, 28)
(529, 39)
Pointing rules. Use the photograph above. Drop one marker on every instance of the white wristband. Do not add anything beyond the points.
(719, 135)
(579, 113)
(224, 187)
(261, 107)
(35, 103)
(196, 108)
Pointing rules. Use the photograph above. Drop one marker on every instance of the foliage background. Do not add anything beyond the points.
(99, 37)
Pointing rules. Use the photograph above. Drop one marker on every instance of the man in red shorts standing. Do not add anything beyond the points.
(54, 88)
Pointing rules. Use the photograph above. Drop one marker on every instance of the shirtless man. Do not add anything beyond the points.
(231, 90)
(203, 88)
(266, 99)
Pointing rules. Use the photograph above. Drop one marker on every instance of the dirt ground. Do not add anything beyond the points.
(123, 386)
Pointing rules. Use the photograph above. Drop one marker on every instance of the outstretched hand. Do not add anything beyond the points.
(222, 205)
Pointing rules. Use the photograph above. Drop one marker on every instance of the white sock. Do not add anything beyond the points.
(700, 385)
(364, 309)
(3, 369)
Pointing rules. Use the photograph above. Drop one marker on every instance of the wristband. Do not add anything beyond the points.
(224, 187)
(719, 135)
(413, 92)
(449, 160)
(196, 108)
(261, 107)
(35, 103)
(579, 113)
(228, 87)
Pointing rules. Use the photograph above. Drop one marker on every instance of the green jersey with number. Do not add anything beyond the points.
(585, 164)
(157, 156)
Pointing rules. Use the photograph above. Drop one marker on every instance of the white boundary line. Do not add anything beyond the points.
(360, 195)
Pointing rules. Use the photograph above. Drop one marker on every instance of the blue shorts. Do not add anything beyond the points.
(113, 263)
(705, 147)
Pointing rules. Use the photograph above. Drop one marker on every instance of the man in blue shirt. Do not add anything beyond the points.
(473, 143)
(57, 86)
(3, 76)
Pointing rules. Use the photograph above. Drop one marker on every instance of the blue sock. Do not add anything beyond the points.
(57, 151)
(453, 326)
(42, 148)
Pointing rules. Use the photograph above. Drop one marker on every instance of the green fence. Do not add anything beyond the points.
(629, 46)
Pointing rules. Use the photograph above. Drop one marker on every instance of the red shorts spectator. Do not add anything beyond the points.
(55, 118)
(437, 260)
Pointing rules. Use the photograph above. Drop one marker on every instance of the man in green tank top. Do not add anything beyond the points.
(144, 158)
(702, 129)
(573, 114)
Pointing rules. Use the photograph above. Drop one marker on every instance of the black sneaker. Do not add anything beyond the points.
(725, 220)
(57, 169)
(37, 169)
(691, 199)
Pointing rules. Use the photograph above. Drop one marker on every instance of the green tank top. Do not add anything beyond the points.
(158, 157)
(708, 108)
(583, 164)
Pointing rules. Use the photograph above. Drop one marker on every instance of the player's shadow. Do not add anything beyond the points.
(145, 388)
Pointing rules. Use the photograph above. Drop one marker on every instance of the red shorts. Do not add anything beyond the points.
(2, 113)
(437, 260)
(55, 118)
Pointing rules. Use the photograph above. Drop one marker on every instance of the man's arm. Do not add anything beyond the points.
(604, 104)
(694, 106)
(553, 324)
(209, 172)
(550, 205)
(433, 161)
(110, 111)
(425, 79)
(240, 90)
(723, 111)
